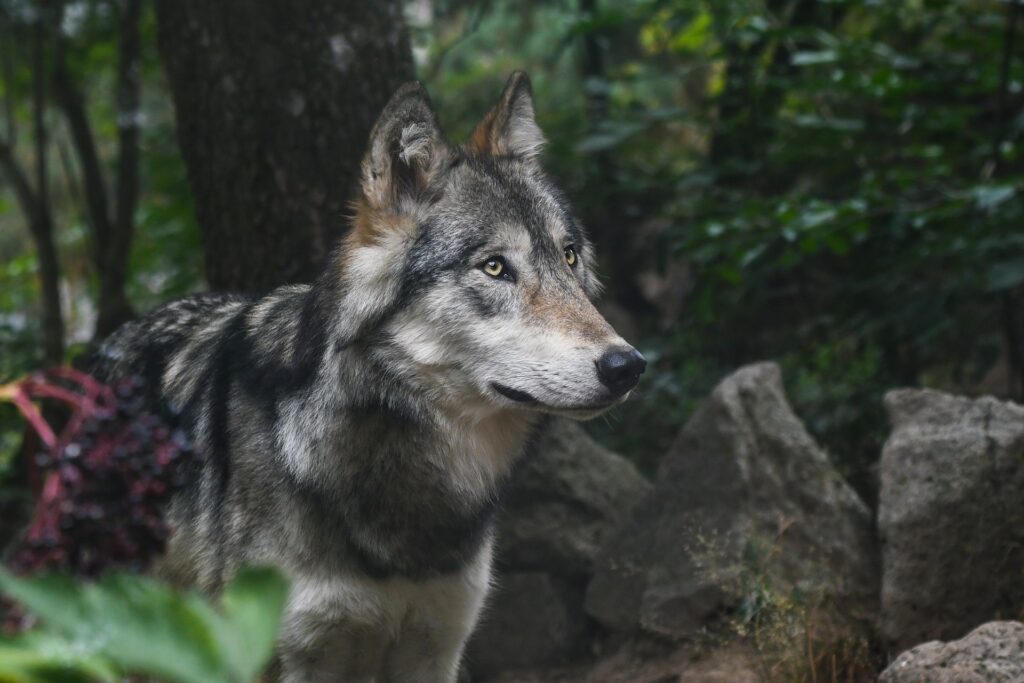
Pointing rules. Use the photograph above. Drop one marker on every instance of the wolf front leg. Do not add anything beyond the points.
(335, 630)
(418, 659)
(439, 622)
(350, 655)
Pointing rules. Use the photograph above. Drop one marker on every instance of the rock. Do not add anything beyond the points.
(644, 662)
(563, 506)
(950, 515)
(566, 502)
(744, 498)
(991, 653)
(532, 619)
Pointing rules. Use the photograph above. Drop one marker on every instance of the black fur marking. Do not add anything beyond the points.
(380, 408)
(431, 256)
(484, 306)
(272, 378)
(513, 394)
(226, 364)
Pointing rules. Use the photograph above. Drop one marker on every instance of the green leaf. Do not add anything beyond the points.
(137, 624)
(40, 656)
(807, 58)
(829, 123)
(695, 36)
(152, 629)
(1006, 274)
(252, 605)
(990, 197)
(52, 597)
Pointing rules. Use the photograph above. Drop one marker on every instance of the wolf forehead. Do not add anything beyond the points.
(411, 174)
(485, 198)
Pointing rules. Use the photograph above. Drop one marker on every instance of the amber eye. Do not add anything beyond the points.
(494, 266)
(570, 256)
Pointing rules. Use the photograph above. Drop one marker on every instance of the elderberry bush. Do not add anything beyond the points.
(104, 482)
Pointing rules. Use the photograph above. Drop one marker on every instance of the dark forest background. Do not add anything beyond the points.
(833, 184)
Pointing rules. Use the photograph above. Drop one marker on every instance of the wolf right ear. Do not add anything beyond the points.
(510, 127)
(406, 151)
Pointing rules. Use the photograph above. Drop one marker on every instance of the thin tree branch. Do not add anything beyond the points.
(114, 306)
(67, 168)
(19, 181)
(1013, 300)
(7, 73)
(72, 104)
(999, 129)
(41, 224)
(39, 97)
(128, 119)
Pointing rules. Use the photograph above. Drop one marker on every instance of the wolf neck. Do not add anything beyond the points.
(414, 485)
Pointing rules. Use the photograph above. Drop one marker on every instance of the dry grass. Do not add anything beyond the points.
(798, 635)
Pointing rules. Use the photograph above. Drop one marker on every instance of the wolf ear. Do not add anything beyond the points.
(510, 128)
(407, 148)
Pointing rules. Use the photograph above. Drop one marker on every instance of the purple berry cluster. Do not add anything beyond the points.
(104, 481)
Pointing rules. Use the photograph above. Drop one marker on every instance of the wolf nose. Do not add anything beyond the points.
(620, 369)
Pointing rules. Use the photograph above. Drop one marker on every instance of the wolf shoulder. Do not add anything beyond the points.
(176, 344)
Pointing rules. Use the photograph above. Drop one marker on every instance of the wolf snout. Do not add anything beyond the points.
(620, 369)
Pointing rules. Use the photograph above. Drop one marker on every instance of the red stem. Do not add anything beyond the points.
(34, 417)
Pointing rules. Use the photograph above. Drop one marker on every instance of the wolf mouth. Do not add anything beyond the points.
(513, 394)
(527, 399)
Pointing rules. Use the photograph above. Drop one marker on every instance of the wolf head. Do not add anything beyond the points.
(471, 269)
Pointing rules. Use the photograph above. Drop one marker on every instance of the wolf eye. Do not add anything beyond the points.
(570, 256)
(495, 267)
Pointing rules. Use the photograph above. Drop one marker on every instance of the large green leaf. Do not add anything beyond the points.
(252, 607)
(45, 658)
(139, 625)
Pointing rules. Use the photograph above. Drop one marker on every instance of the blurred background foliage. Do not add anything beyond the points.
(835, 184)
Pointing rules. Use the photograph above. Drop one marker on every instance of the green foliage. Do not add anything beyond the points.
(166, 258)
(864, 234)
(843, 181)
(129, 625)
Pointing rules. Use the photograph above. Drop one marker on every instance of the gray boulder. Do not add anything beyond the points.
(991, 653)
(744, 498)
(569, 497)
(950, 515)
(532, 620)
(565, 503)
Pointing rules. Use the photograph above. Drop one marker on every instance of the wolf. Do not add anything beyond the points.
(358, 432)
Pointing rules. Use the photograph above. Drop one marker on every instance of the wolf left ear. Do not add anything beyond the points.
(407, 148)
(510, 127)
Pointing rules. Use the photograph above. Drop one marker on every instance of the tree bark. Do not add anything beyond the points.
(274, 103)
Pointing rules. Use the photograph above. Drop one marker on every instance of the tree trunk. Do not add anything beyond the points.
(274, 103)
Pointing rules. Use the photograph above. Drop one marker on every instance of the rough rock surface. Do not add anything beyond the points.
(744, 494)
(951, 517)
(640, 662)
(567, 500)
(991, 653)
(532, 619)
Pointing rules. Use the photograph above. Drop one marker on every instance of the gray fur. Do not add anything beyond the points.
(359, 432)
